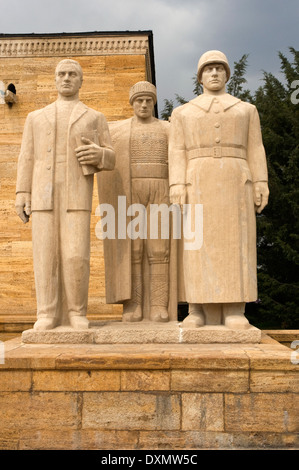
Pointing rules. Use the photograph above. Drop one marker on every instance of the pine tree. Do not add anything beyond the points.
(278, 225)
(238, 80)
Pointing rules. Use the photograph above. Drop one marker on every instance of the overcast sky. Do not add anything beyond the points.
(182, 30)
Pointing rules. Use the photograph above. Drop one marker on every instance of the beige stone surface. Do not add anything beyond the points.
(210, 381)
(142, 332)
(131, 411)
(83, 440)
(274, 381)
(202, 412)
(15, 381)
(33, 410)
(268, 412)
(213, 440)
(132, 380)
(75, 380)
(148, 396)
(285, 337)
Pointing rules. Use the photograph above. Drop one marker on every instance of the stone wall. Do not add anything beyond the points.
(111, 65)
(150, 396)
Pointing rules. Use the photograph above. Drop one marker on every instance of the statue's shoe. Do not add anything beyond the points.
(236, 322)
(79, 323)
(43, 324)
(194, 320)
(159, 314)
(132, 311)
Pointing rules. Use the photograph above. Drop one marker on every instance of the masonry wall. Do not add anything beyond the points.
(107, 80)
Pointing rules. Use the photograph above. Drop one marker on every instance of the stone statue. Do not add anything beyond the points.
(217, 159)
(63, 145)
(138, 269)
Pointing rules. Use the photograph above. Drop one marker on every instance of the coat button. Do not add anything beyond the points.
(217, 140)
(217, 125)
(49, 167)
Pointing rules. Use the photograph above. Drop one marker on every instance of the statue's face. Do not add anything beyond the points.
(214, 77)
(143, 106)
(68, 80)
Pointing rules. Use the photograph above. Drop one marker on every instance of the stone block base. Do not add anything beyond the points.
(142, 333)
(149, 396)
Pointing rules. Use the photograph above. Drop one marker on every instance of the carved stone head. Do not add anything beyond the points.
(212, 57)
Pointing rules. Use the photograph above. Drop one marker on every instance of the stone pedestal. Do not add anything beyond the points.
(144, 332)
(149, 396)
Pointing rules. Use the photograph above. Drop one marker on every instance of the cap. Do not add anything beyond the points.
(143, 88)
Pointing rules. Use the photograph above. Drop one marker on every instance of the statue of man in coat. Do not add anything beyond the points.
(140, 271)
(217, 159)
(63, 145)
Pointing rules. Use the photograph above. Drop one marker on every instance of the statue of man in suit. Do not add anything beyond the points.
(63, 145)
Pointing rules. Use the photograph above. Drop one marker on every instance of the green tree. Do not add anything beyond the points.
(167, 110)
(238, 80)
(278, 225)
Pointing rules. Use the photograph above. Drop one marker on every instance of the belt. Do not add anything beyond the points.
(217, 152)
(149, 170)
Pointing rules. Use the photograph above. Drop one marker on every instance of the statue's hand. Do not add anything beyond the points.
(90, 153)
(260, 195)
(23, 206)
(177, 194)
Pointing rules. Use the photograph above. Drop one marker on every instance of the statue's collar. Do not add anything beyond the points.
(79, 109)
(205, 101)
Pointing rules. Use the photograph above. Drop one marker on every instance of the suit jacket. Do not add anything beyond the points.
(37, 157)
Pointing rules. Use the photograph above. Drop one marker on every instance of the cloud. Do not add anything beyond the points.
(182, 29)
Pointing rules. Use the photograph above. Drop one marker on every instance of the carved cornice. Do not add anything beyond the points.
(76, 45)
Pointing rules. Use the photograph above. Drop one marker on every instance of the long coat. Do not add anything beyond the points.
(37, 157)
(117, 252)
(216, 149)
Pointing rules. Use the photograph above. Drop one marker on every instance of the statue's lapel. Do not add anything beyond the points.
(50, 112)
(78, 111)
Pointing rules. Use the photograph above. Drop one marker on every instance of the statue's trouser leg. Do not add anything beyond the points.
(61, 252)
(159, 288)
(157, 245)
(137, 283)
(46, 267)
(75, 262)
(133, 307)
(213, 314)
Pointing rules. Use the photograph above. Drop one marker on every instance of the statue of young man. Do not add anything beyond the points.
(217, 159)
(55, 185)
